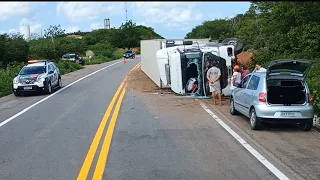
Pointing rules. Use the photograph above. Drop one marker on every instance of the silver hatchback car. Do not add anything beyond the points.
(280, 95)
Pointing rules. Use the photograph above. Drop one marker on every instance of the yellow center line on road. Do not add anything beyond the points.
(134, 67)
(93, 148)
(96, 140)
(98, 172)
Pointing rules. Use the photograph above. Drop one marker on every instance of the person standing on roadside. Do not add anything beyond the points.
(259, 68)
(213, 76)
(236, 77)
(245, 71)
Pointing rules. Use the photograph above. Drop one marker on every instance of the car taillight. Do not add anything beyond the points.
(262, 97)
(310, 98)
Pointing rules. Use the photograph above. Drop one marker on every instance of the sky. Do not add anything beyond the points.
(170, 19)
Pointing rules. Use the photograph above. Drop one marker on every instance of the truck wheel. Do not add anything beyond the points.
(238, 44)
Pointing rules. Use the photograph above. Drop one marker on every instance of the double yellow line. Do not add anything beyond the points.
(102, 159)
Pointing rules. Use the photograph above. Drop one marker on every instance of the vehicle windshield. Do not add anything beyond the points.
(33, 70)
(72, 55)
(128, 52)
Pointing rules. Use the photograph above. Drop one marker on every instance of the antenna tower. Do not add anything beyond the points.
(107, 23)
(126, 11)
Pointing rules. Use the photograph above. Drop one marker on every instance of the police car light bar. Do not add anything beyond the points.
(35, 61)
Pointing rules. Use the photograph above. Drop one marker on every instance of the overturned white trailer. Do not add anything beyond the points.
(170, 63)
(148, 50)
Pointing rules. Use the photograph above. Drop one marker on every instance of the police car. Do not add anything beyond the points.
(37, 76)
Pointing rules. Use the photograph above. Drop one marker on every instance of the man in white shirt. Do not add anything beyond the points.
(259, 68)
(192, 85)
(213, 76)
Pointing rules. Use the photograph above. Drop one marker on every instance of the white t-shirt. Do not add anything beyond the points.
(190, 83)
(261, 70)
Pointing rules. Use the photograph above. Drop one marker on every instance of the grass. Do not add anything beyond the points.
(102, 59)
(67, 67)
(97, 60)
(6, 77)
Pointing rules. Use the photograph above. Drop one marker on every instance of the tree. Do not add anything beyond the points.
(217, 29)
(34, 36)
(54, 31)
(16, 49)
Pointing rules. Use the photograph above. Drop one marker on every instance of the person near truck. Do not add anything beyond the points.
(245, 71)
(236, 77)
(213, 76)
(192, 85)
(259, 68)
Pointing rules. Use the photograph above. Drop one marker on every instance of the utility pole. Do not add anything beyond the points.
(126, 12)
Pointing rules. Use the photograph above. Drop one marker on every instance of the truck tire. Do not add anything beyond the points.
(238, 44)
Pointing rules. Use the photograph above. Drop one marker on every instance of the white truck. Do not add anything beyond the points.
(171, 63)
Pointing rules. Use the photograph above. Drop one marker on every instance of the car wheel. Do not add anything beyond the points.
(59, 83)
(49, 88)
(255, 123)
(233, 111)
(305, 126)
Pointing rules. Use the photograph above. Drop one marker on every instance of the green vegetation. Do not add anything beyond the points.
(106, 44)
(274, 30)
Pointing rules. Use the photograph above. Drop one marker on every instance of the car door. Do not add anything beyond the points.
(250, 93)
(56, 69)
(55, 74)
(238, 94)
(51, 75)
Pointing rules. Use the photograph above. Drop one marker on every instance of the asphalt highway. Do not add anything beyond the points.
(99, 128)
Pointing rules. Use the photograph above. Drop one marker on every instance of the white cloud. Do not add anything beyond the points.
(12, 31)
(96, 25)
(141, 23)
(168, 13)
(72, 29)
(88, 11)
(17, 9)
(35, 27)
(231, 16)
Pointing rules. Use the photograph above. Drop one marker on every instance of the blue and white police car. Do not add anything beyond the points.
(37, 76)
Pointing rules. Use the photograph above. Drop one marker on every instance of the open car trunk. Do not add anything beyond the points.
(286, 92)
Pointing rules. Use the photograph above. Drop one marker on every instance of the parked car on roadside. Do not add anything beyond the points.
(37, 76)
(280, 95)
(129, 54)
(73, 57)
